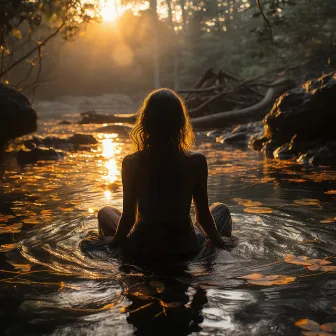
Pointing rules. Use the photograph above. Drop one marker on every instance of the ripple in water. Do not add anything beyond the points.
(49, 286)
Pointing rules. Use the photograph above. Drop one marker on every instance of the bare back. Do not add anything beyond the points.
(164, 189)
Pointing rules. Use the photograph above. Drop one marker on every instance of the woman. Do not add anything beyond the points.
(160, 180)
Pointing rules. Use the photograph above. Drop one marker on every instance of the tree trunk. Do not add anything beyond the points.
(176, 50)
(155, 46)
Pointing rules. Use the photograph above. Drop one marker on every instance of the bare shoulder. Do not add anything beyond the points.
(197, 158)
(130, 160)
(198, 161)
(130, 157)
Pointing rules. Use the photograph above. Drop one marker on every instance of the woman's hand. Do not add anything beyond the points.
(224, 242)
(229, 241)
(110, 241)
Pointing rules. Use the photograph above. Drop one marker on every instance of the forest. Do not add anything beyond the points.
(61, 47)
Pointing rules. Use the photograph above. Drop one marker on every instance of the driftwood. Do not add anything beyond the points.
(215, 92)
(239, 99)
(251, 113)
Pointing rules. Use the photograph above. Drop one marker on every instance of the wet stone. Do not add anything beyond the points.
(38, 154)
(17, 117)
(304, 118)
(65, 122)
(82, 139)
(241, 134)
(284, 152)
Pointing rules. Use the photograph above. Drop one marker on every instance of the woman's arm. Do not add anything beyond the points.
(200, 198)
(128, 217)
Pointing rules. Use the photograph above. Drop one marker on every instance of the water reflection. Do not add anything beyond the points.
(49, 282)
(163, 302)
(111, 150)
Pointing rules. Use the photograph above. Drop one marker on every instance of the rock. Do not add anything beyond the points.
(82, 139)
(33, 142)
(47, 142)
(60, 143)
(284, 152)
(120, 129)
(65, 122)
(302, 121)
(239, 137)
(320, 156)
(17, 117)
(214, 134)
(92, 117)
(38, 154)
(241, 134)
(57, 142)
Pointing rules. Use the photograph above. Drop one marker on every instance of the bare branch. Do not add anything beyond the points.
(36, 59)
(265, 19)
(32, 50)
(37, 79)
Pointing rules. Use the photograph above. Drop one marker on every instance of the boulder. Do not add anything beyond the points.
(302, 121)
(17, 117)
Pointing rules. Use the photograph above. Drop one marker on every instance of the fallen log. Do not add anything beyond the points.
(252, 113)
(92, 117)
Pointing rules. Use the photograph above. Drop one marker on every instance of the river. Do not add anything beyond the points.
(49, 286)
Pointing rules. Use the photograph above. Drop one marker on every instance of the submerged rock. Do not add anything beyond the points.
(25, 156)
(82, 139)
(51, 141)
(241, 134)
(65, 122)
(56, 142)
(17, 117)
(59, 143)
(302, 124)
(320, 155)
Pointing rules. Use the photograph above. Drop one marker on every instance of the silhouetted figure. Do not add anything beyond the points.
(160, 180)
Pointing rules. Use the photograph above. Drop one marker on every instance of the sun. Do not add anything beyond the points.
(109, 9)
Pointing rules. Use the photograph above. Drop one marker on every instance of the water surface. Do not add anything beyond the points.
(50, 287)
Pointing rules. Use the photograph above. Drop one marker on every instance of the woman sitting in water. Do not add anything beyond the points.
(160, 179)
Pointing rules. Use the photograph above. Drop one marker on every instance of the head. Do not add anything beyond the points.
(163, 123)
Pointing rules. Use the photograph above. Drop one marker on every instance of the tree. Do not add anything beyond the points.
(27, 26)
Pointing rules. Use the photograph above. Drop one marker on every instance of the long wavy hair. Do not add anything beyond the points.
(162, 125)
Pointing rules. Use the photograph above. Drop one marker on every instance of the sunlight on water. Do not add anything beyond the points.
(110, 151)
(282, 269)
(107, 194)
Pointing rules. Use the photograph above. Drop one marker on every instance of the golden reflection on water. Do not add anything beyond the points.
(111, 150)
(107, 194)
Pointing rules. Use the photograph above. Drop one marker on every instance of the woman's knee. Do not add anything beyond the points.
(107, 214)
(102, 213)
(220, 207)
